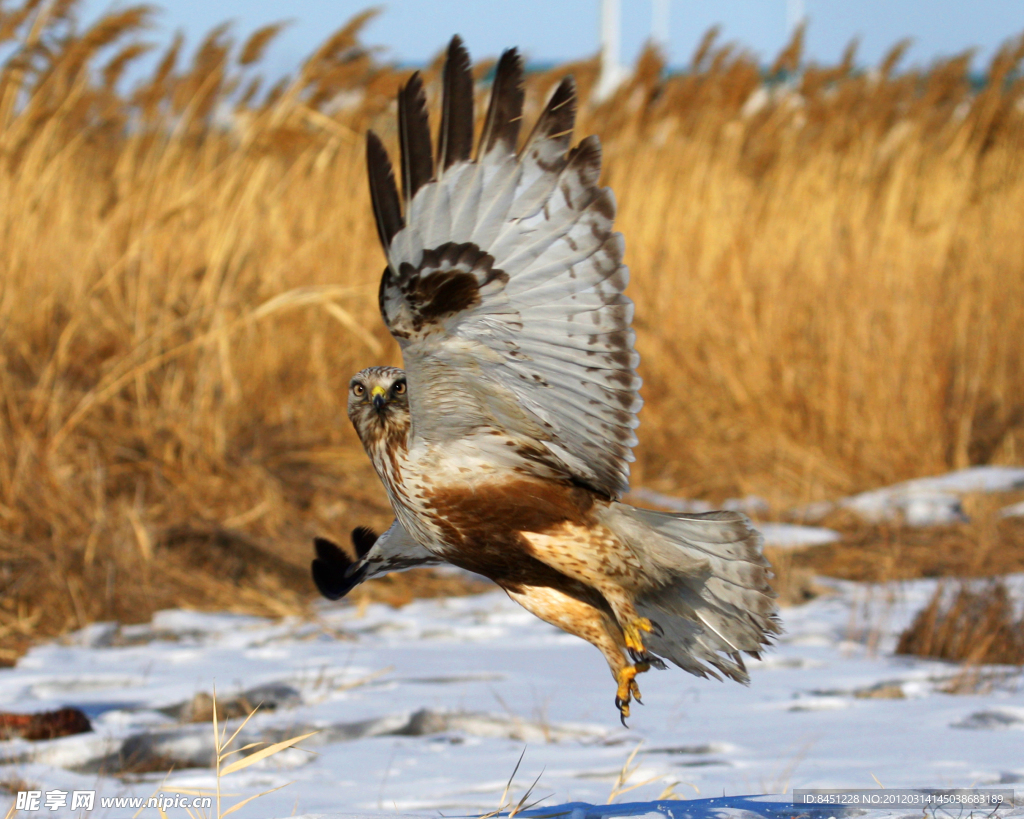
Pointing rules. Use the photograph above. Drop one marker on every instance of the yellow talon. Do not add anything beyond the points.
(634, 689)
(627, 684)
(628, 687)
(632, 631)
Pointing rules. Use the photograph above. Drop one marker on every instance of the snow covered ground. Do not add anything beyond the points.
(426, 709)
(928, 501)
(931, 501)
(782, 535)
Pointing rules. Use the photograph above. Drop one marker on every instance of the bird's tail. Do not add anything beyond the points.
(706, 587)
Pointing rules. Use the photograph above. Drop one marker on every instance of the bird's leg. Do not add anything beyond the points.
(632, 624)
(632, 632)
(599, 627)
(628, 687)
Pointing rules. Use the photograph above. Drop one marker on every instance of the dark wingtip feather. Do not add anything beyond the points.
(332, 570)
(564, 96)
(414, 135)
(505, 112)
(552, 134)
(455, 139)
(387, 208)
(559, 115)
(363, 539)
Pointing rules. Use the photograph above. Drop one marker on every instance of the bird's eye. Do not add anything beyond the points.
(358, 390)
(399, 388)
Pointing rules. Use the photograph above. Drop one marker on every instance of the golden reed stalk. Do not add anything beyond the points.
(828, 271)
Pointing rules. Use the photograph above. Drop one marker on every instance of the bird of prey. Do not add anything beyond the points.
(504, 444)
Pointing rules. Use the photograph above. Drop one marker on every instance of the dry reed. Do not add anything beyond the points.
(986, 547)
(827, 273)
(977, 624)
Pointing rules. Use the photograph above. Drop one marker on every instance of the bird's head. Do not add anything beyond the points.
(378, 403)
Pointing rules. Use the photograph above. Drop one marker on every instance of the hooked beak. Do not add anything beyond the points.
(378, 396)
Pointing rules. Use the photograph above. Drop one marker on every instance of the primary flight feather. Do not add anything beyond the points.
(504, 444)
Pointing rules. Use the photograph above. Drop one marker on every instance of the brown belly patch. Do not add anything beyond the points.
(484, 528)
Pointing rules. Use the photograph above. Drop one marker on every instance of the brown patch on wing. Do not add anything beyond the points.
(443, 293)
(447, 281)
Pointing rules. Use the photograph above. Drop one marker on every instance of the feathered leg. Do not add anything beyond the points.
(592, 624)
(597, 558)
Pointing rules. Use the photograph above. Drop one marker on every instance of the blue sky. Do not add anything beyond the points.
(556, 30)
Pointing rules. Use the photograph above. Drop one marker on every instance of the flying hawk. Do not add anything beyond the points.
(505, 443)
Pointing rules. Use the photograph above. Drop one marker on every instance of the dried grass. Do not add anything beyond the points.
(507, 804)
(13, 784)
(626, 772)
(222, 750)
(977, 624)
(873, 553)
(827, 277)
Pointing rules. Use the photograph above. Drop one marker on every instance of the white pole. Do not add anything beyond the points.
(611, 53)
(795, 15)
(659, 24)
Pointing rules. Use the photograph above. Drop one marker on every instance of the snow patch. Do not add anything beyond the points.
(1014, 510)
(427, 708)
(935, 500)
(792, 536)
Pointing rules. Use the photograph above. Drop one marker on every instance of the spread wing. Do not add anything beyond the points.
(504, 285)
(336, 574)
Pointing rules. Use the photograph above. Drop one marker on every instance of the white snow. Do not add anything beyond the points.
(792, 536)
(784, 535)
(670, 502)
(749, 505)
(426, 709)
(1013, 510)
(934, 500)
(972, 479)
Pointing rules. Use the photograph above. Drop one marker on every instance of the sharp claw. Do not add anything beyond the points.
(623, 706)
(628, 688)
